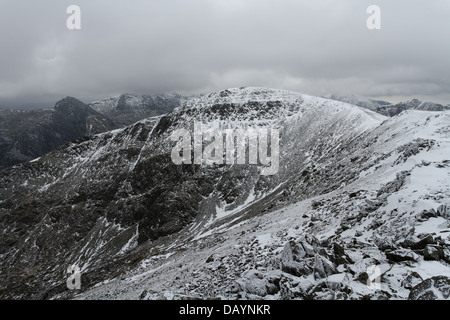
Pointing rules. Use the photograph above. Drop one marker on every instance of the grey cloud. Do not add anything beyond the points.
(195, 46)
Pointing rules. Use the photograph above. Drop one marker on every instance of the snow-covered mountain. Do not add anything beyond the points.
(355, 191)
(127, 109)
(413, 104)
(386, 108)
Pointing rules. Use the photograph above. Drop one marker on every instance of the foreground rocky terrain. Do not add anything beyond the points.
(357, 210)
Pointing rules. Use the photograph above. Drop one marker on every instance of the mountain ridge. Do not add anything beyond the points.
(117, 206)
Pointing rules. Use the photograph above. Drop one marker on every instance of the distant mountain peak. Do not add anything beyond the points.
(359, 101)
(69, 102)
(28, 134)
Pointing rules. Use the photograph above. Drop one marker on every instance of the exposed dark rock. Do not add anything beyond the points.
(272, 288)
(414, 104)
(290, 289)
(414, 148)
(435, 288)
(302, 258)
(323, 267)
(447, 254)
(395, 185)
(426, 214)
(378, 295)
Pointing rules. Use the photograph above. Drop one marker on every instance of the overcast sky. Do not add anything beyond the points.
(198, 46)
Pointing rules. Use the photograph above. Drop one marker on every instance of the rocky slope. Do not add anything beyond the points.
(127, 109)
(355, 190)
(28, 134)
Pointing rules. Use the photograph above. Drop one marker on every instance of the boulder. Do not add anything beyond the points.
(293, 260)
(273, 281)
(435, 288)
(298, 258)
(377, 295)
(294, 288)
(338, 282)
(411, 280)
(334, 287)
(210, 259)
(361, 266)
(323, 267)
(433, 252)
(427, 214)
(373, 274)
(384, 243)
(272, 288)
(408, 242)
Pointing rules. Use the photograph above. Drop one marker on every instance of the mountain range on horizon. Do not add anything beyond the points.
(387, 108)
